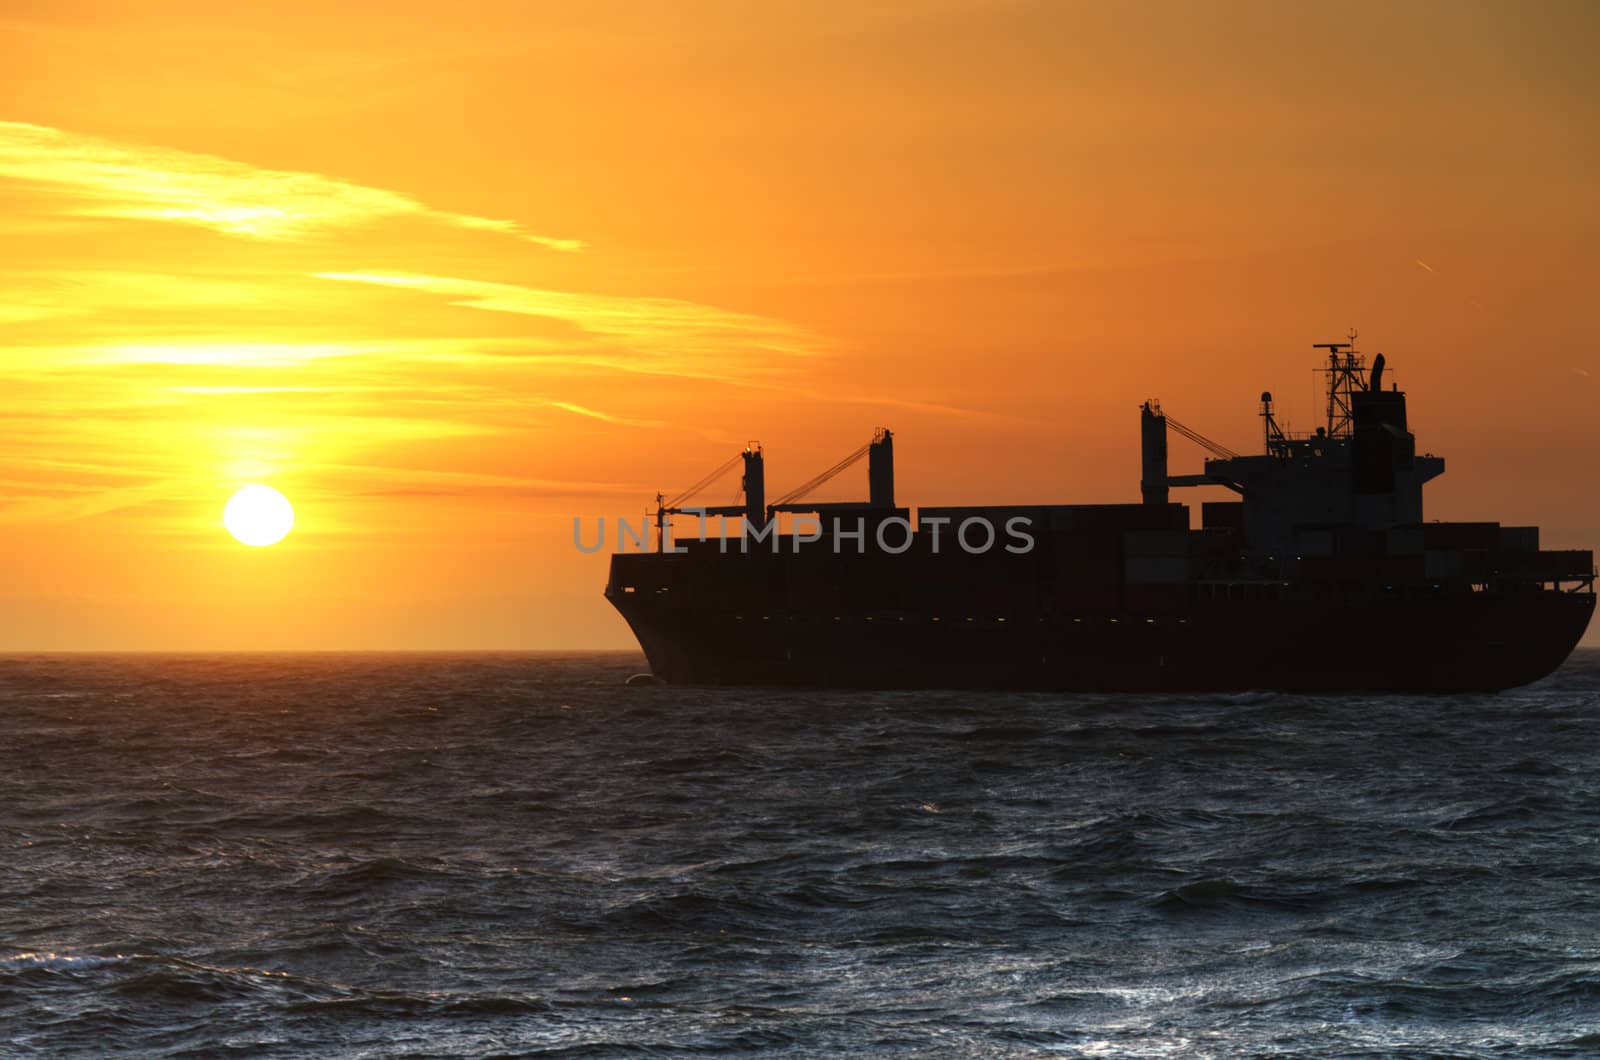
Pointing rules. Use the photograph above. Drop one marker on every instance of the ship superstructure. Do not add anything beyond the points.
(1322, 575)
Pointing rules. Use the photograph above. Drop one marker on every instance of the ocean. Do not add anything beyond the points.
(515, 855)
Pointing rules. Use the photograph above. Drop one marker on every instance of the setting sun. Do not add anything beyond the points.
(258, 515)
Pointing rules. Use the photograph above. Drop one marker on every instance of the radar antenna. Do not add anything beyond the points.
(1345, 371)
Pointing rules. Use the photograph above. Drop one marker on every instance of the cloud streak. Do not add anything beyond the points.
(657, 325)
(102, 178)
(605, 417)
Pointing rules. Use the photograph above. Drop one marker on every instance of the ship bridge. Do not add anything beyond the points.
(1360, 470)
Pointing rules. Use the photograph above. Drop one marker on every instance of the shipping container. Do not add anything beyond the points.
(1156, 570)
(1222, 515)
(1155, 543)
(1404, 541)
(1445, 537)
(1441, 565)
(1156, 599)
(1519, 539)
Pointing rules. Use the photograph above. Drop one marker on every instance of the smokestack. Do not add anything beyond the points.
(880, 470)
(1153, 452)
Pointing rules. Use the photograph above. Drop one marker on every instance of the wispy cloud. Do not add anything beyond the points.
(385, 480)
(658, 325)
(102, 178)
(605, 417)
(89, 502)
(22, 313)
(158, 423)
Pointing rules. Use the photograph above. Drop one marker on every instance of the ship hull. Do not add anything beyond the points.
(1473, 642)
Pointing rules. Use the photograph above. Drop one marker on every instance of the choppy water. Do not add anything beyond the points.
(515, 855)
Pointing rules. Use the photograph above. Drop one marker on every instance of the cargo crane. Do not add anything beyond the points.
(752, 487)
(880, 481)
(1153, 425)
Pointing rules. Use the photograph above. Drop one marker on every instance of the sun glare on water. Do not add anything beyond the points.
(258, 515)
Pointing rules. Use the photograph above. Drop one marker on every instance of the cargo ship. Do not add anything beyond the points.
(1321, 576)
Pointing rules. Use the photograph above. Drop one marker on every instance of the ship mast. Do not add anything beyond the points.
(1345, 374)
(1277, 443)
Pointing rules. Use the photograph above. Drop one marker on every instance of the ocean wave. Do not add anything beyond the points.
(20, 963)
(513, 855)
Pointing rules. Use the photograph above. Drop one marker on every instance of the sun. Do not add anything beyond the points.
(258, 515)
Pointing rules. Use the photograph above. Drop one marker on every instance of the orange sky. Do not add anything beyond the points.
(451, 275)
